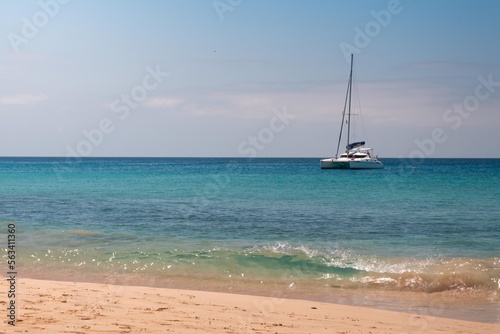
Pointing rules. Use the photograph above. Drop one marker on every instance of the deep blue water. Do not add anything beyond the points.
(261, 220)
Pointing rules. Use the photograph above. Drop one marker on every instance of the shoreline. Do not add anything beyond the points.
(474, 305)
(77, 307)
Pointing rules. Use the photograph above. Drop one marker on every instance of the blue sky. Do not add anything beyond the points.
(239, 78)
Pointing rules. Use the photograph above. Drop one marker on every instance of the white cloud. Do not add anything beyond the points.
(392, 103)
(249, 100)
(22, 99)
(162, 102)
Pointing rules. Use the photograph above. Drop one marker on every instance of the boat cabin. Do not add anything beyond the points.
(360, 153)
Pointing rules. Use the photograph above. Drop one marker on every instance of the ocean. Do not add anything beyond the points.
(419, 236)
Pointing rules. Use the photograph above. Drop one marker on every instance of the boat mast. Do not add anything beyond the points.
(349, 113)
(347, 98)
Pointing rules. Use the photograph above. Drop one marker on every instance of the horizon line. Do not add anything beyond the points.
(215, 157)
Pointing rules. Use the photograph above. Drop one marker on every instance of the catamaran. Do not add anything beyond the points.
(356, 155)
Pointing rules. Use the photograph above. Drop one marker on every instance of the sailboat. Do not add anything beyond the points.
(356, 155)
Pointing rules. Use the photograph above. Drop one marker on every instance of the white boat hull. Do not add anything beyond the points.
(366, 164)
(333, 163)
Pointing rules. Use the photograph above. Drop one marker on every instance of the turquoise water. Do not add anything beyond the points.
(418, 228)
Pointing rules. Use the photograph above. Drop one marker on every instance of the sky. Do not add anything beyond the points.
(248, 78)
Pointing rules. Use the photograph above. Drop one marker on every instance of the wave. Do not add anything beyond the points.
(280, 263)
(345, 268)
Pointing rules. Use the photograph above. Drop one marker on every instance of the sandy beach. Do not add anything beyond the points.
(45, 306)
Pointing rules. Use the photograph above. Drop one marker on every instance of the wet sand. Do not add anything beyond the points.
(44, 306)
